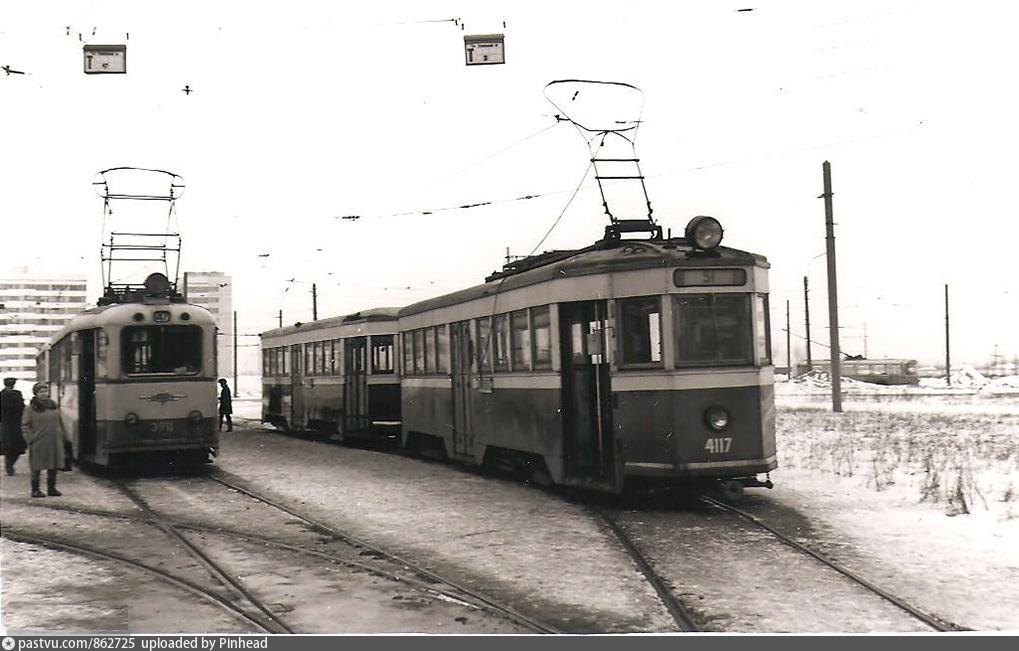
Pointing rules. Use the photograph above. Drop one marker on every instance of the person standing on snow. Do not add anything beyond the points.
(226, 407)
(12, 408)
(45, 434)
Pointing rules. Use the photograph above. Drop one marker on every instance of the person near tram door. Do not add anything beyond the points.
(45, 436)
(12, 407)
(226, 407)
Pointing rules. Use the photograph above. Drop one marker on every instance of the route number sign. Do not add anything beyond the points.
(485, 49)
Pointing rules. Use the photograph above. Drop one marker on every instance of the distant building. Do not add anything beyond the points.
(32, 308)
(213, 290)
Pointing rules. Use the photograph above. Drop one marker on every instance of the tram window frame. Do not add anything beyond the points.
(745, 340)
(383, 349)
(128, 350)
(541, 362)
(309, 359)
(442, 349)
(628, 356)
(762, 322)
(500, 342)
(520, 340)
(265, 362)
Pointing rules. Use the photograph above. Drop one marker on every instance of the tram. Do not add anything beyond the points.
(136, 376)
(335, 378)
(628, 360)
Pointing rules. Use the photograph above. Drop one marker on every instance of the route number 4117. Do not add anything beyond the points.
(716, 446)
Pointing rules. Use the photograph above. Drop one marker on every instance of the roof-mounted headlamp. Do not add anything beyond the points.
(704, 232)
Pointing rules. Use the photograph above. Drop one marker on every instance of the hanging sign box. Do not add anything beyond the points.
(485, 49)
(105, 59)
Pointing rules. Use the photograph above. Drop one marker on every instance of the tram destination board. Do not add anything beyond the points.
(105, 59)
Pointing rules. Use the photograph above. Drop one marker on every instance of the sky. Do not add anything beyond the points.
(305, 112)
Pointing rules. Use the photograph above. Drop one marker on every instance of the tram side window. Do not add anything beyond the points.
(67, 370)
(161, 349)
(641, 340)
(419, 351)
(273, 362)
(713, 329)
(309, 359)
(762, 326)
(500, 341)
(428, 335)
(541, 338)
(485, 344)
(265, 362)
(408, 354)
(520, 341)
(442, 347)
(382, 353)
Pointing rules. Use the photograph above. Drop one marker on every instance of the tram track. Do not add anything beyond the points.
(936, 623)
(272, 623)
(679, 612)
(229, 605)
(479, 598)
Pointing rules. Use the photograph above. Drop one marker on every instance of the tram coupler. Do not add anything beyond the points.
(754, 482)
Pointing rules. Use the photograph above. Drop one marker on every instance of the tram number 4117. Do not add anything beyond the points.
(717, 446)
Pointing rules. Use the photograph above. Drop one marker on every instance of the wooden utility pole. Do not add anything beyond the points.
(806, 318)
(281, 318)
(314, 302)
(235, 352)
(833, 299)
(788, 346)
(948, 346)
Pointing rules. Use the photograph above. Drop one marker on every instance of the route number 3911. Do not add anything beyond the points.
(718, 445)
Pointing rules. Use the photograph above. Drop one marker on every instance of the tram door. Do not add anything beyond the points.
(87, 393)
(297, 416)
(588, 441)
(462, 362)
(355, 384)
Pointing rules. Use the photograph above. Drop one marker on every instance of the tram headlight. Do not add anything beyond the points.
(717, 418)
(704, 232)
(195, 416)
(131, 418)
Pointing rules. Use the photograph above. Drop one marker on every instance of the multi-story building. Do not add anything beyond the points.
(213, 291)
(32, 308)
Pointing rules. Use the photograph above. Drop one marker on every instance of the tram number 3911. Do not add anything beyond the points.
(718, 445)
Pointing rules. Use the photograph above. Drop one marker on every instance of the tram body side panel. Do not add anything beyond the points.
(322, 404)
(426, 407)
(276, 401)
(384, 404)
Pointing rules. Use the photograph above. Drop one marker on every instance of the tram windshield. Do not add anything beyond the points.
(713, 329)
(161, 349)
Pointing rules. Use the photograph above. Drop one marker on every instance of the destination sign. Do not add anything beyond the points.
(709, 277)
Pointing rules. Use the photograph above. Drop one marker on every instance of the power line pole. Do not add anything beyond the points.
(833, 299)
(281, 318)
(235, 352)
(314, 302)
(788, 345)
(948, 346)
(806, 313)
(865, 355)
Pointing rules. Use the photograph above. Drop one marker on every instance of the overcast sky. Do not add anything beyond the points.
(305, 112)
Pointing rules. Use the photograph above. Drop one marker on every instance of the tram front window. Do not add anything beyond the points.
(161, 349)
(713, 329)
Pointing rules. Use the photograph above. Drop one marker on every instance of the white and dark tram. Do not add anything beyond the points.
(629, 359)
(334, 377)
(136, 376)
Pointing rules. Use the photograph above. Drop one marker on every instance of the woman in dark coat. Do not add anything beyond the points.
(45, 434)
(12, 407)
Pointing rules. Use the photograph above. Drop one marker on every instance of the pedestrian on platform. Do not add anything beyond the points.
(45, 435)
(12, 407)
(226, 406)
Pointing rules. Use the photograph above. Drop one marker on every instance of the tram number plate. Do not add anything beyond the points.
(718, 445)
(161, 427)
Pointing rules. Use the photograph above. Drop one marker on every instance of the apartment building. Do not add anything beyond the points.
(213, 291)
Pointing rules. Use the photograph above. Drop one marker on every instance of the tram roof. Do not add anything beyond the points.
(602, 257)
(105, 314)
(364, 316)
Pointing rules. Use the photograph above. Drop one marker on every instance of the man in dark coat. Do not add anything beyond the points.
(12, 442)
(226, 407)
